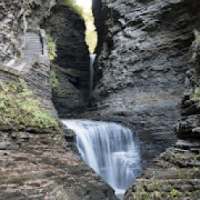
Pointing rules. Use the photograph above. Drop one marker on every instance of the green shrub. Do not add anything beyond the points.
(19, 109)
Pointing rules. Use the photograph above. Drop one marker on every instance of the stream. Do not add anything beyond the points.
(110, 149)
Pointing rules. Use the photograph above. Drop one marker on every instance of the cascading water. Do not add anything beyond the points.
(109, 149)
(91, 83)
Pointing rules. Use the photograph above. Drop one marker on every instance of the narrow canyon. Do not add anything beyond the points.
(99, 100)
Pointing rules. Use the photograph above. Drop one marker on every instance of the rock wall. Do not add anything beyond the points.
(175, 173)
(34, 164)
(141, 65)
(148, 75)
(23, 45)
(71, 65)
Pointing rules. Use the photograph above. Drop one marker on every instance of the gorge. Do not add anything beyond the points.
(132, 109)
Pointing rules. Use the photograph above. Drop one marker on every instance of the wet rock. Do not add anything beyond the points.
(70, 138)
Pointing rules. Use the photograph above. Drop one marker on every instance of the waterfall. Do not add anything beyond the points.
(91, 83)
(110, 149)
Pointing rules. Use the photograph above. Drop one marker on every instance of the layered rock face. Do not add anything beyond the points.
(24, 47)
(144, 68)
(34, 166)
(142, 63)
(175, 173)
(71, 65)
(34, 163)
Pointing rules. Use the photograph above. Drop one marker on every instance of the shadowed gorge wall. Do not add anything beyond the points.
(70, 68)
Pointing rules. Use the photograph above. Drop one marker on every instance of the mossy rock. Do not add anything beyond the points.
(196, 95)
(20, 110)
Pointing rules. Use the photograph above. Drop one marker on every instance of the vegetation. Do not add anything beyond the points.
(196, 94)
(175, 194)
(51, 48)
(20, 110)
(54, 80)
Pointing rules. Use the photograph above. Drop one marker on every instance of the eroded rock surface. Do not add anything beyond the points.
(142, 64)
(71, 65)
(23, 44)
(34, 164)
(175, 173)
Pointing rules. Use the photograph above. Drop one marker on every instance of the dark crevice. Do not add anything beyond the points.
(70, 68)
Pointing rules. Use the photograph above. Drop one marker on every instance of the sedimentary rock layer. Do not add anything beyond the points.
(23, 44)
(34, 164)
(141, 65)
(71, 65)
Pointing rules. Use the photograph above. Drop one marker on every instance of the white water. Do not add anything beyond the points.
(91, 83)
(109, 149)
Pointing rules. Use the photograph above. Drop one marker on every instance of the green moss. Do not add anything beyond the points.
(196, 94)
(20, 110)
(143, 196)
(51, 48)
(54, 80)
(175, 194)
(57, 82)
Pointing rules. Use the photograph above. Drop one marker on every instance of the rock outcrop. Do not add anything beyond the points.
(23, 45)
(34, 164)
(70, 69)
(141, 65)
(175, 173)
